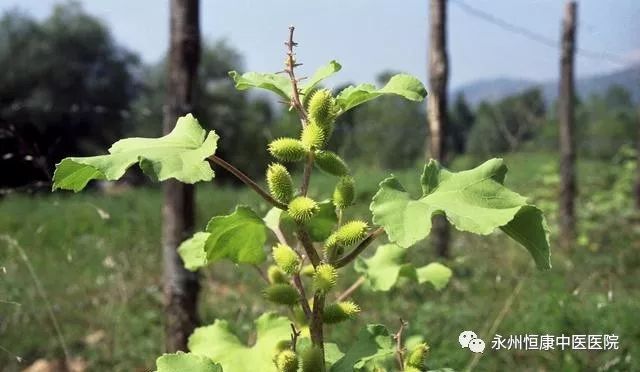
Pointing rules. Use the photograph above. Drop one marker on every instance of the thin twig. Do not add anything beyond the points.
(261, 273)
(500, 317)
(399, 348)
(290, 66)
(361, 247)
(297, 283)
(349, 291)
(16, 356)
(40, 289)
(294, 336)
(10, 303)
(248, 181)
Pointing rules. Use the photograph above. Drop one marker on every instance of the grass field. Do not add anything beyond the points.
(97, 260)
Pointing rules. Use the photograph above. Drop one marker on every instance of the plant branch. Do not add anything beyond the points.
(399, 348)
(294, 336)
(361, 247)
(261, 273)
(349, 291)
(316, 324)
(297, 282)
(307, 244)
(290, 65)
(248, 181)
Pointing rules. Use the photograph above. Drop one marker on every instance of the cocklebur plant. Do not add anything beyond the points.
(312, 243)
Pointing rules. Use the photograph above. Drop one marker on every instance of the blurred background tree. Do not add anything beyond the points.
(66, 87)
(505, 125)
(606, 123)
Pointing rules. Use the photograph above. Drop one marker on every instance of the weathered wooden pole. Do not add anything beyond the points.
(181, 286)
(567, 128)
(437, 107)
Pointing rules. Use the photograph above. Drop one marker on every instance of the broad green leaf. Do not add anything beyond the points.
(182, 362)
(473, 200)
(529, 228)
(192, 251)
(402, 85)
(320, 74)
(434, 273)
(180, 154)
(239, 237)
(384, 268)
(277, 83)
(218, 343)
(373, 344)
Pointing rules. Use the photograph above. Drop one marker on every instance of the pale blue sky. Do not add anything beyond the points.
(369, 36)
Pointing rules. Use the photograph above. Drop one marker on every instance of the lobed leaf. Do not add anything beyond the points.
(219, 344)
(192, 251)
(402, 85)
(435, 273)
(180, 154)
(277, 83)
(387, 265)
(473, 200)
(320, 74)
(180, 362)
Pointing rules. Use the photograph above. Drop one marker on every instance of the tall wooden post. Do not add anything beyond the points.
(181, 286)
(566, 123)
(437, 106)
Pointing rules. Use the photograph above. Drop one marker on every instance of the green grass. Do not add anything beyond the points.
(102, 275)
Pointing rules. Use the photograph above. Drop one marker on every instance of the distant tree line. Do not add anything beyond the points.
(68, 88)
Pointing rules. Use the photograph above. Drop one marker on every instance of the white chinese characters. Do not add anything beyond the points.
(547, 342)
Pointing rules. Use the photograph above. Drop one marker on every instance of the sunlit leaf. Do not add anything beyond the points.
(402, 85)
(277, 83)
(192, 251)
(180, 154)
(239, 237)
(473, 200)
(182, 362)
(434, 273)
(320, 74)
(218, 343)
(383, 269)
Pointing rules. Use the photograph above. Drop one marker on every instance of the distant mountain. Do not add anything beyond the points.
(495, 89)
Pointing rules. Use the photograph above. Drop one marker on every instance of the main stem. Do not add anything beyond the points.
(316, 324)
(315, 319)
